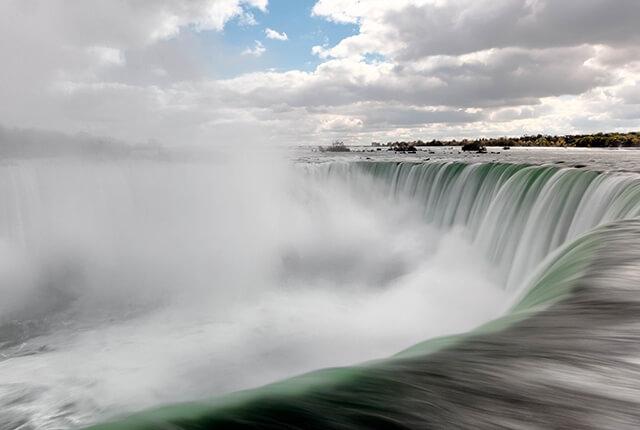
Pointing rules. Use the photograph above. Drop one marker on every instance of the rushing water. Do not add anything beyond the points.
(130, 284)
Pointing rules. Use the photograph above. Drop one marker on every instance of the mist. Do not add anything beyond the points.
(128, 282)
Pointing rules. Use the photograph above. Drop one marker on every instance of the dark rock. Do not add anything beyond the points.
(472, 146)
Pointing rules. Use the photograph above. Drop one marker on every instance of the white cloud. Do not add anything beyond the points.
(256, 51)
(321, 51)
(247, 19)
(107, 56)
(448, 68)
(339, 123)
(353, 12)
(119, 24)
(273, 34)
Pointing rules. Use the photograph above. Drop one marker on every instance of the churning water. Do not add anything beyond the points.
(130, 284)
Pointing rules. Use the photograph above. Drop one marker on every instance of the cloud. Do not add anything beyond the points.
(272, 34)
(247, 19)
(355, 12)
(630, 94)
(136, 70)
(418, 29)
(106, 67)
(465, 26)
(321, 51)
(118, 24)
(256, 51)
(491, 79)
(107, 56)
(338, 123)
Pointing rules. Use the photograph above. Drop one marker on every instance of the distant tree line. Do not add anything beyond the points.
(599, 140)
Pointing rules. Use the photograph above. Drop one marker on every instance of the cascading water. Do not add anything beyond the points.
(516, 214)
(139, 279)
(183, 272)
(565, 358)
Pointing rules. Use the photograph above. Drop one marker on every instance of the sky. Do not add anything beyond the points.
(307, 72)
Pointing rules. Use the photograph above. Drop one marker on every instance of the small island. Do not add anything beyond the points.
(336, 146)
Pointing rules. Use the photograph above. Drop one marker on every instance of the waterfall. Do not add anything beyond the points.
(515, 214)
(475, 272)
(564, 355)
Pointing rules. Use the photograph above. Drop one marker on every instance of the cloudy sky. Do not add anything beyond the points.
(309, 71)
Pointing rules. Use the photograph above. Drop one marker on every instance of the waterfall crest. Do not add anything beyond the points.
(516, 214)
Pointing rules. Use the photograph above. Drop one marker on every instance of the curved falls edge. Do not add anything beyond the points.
(563, 356)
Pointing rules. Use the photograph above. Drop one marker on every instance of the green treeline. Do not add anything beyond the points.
(599, 140)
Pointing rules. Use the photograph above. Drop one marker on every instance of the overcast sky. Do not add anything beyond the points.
(309, 71)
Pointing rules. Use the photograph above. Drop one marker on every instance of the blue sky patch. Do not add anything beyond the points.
(291, 17)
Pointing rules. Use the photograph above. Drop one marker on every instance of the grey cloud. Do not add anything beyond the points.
(504, 78)
(630, 93)
(460, 27)
(402, 116)
(509, 76)
(118, 23)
